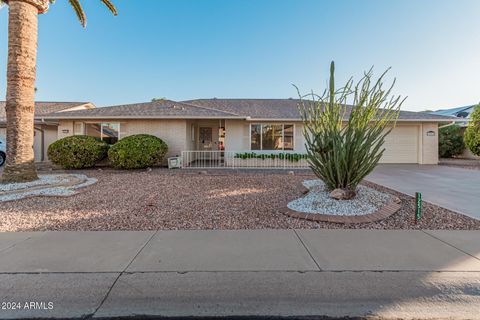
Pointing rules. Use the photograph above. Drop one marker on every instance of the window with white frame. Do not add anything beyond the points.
(271, 136)
(108, 132)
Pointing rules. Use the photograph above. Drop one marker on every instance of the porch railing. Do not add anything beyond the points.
(242, 160)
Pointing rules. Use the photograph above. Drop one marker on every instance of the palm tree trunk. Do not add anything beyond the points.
(21, 72)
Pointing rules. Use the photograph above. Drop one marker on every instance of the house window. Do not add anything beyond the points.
(108, 132)
(271, 137)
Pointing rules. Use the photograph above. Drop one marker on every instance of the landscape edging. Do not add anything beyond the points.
(380, 214)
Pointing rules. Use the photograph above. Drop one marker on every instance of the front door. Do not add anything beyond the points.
(205, 139)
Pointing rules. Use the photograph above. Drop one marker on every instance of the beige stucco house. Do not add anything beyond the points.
(205, 127)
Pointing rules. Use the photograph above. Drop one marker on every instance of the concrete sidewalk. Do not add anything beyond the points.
(279, 273)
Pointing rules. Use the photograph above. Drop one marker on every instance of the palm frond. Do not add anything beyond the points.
(77, 7)
(110, 6)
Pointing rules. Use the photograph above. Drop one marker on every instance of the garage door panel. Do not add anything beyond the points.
(401, 145)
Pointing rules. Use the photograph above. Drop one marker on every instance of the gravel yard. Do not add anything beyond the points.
(163, 199)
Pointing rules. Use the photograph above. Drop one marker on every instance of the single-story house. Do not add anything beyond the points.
(215, 127)
(46, 131)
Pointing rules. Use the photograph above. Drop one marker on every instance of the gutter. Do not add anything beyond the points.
(227, 118)
(246, 118)
(142, 118)
(42, 144)
(448, 124)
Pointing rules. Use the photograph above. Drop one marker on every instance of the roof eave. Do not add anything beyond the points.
(398, 120)
(429, 120)
(100, 117)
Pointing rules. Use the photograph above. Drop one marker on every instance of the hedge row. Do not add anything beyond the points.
(132, 152)
(294, 157)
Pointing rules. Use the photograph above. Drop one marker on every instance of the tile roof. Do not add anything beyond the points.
(156, 109)
(252, 109)
(43, 108)
(287, 109)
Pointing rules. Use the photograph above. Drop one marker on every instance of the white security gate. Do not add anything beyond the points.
(242, 160)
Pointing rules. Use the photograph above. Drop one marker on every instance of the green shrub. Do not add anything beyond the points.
(294, 157)
(450, 141)
(342, 153)
(137, 151)
(472, 134)
(77, 152)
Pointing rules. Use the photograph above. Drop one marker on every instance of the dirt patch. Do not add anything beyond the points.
(162, 199)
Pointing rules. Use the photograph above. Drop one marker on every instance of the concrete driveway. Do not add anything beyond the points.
(456, 189)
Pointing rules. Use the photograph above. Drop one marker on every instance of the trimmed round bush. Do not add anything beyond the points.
(77, 152)
(137, 151)
(450, 141)
(472, 134)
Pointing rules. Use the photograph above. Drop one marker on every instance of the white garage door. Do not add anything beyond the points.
(401, 145)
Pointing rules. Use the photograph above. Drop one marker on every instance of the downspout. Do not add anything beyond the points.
(42, 143)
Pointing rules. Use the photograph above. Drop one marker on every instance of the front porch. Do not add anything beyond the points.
(213, 143)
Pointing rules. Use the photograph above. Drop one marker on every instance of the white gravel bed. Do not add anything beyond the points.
(318, 201)
(43, 180)
(46, 185)
(87, 182)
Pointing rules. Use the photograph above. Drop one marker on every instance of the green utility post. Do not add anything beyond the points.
(418, 207)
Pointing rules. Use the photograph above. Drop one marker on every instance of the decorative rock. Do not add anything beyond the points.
(149, 169)
(319, 201)
(46, 185)
(342, 194)
(291, 173)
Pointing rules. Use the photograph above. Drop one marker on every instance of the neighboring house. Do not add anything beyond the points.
(463, 113)
(459, 112)
(46, 131)
(236, 125)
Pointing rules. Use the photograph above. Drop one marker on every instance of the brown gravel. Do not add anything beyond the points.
(163, 199)
(472, 164)
(461, 167)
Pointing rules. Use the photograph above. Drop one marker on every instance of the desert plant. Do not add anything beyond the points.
(472, 133)
(450, 141)
(342, 153)
(137, 151)
(77, 152)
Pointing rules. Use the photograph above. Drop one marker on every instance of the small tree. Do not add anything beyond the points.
(450, 141)
(343, 153)
(472, 133)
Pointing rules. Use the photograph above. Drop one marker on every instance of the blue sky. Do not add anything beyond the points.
(183, 49)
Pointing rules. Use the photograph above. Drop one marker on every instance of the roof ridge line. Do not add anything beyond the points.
(138, 103)
(211, 109)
